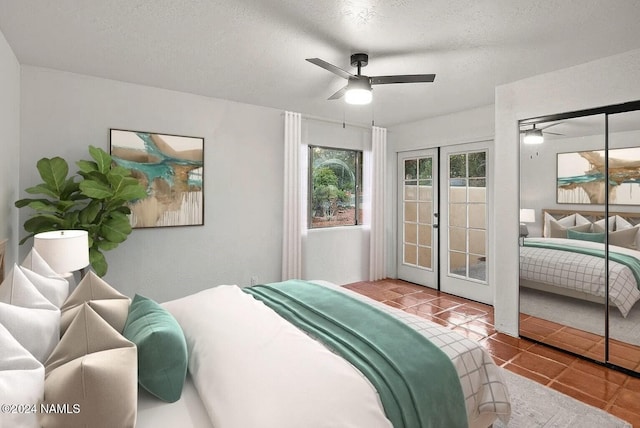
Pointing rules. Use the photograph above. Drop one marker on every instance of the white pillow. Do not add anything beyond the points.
(28, 315)
(54, 289)
(611, 223)
(21, 382)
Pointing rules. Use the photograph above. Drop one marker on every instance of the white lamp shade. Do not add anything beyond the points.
(527, 215)
(64, 250)
(358, 96)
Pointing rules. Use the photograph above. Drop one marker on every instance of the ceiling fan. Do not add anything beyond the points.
(358, 88)
(535, 135)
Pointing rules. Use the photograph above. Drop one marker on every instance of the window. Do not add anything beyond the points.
(335, 191)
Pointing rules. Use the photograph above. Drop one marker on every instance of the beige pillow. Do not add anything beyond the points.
(622, 238)
(94, 369)
(108, 302)
(557, 230)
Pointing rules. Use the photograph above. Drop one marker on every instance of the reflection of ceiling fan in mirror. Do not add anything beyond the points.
(536, 135)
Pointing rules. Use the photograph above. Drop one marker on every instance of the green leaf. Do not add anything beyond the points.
(95, 190)
(89, 213)
(116, 228)
(132, 192)
(43, 205)
(98, 262)
(106, 245)
(120, 170)
(42, 189)
(102, 158)
(87, 166)
(42, 223)
(20, 203)
(53, 172)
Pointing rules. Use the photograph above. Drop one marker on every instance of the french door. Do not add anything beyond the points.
(443, 219)
(418, 217)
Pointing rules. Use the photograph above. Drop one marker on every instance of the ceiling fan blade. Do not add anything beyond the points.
(330, 67)
(403, 78)
(550, 125)
(338, 94)
(551, 133)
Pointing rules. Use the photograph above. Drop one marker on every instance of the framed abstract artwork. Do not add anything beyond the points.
(581, 177)
(171, 167)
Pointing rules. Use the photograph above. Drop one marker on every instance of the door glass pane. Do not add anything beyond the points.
(410, 169)
(410, 233)
(410, 192)
(457, 263)
(478, 216)
(467, 214)
(425, 191)
(478, 267)
(424, 257)
(458, 215)
(410, 254)
(425, 170)
(410, 211)
(477, 242)
(425, 213)
(424, 234)
(458, 239)
(418, 212)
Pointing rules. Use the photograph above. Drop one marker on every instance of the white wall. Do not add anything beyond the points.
(337, 254)
(456, 128)
(9, 144)
(603, 82)
(63, 113)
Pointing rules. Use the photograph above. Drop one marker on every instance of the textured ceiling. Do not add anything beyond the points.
(254, 51)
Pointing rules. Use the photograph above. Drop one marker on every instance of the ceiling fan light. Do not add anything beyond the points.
(358, 96)
(533, 136)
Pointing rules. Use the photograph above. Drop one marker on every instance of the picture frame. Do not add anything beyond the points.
(581, 177)
(171, 168)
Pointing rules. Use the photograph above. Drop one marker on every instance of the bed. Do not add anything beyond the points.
(285, 355)
(250, 367)
(569, 258)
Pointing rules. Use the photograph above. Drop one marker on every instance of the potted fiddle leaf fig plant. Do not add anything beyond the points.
(95, 200)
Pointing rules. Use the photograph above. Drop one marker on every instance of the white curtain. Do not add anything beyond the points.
(377, 173)
(294, 197)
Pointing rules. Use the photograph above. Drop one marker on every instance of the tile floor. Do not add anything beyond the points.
(615, 392)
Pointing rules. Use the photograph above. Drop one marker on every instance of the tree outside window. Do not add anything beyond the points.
(335, 193)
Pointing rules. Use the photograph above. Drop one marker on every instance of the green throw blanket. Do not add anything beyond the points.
(417, 383)
(625, 259)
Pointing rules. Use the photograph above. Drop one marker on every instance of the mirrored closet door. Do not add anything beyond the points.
(579, 243)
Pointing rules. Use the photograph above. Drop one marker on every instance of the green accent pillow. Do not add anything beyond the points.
(586, 236)
(162, 348)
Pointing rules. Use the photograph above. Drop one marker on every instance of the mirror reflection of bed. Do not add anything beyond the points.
(567, 287)
(563, 226)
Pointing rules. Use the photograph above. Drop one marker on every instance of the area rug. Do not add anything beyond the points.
(580, 314)
(534, 405)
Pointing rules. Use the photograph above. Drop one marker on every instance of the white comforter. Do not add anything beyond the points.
(254, 369)
(581, 272)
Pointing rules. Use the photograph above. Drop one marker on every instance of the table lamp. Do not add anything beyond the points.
(65, 251)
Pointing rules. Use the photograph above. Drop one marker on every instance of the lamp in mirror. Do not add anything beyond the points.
(527, 215)
(66, 251)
